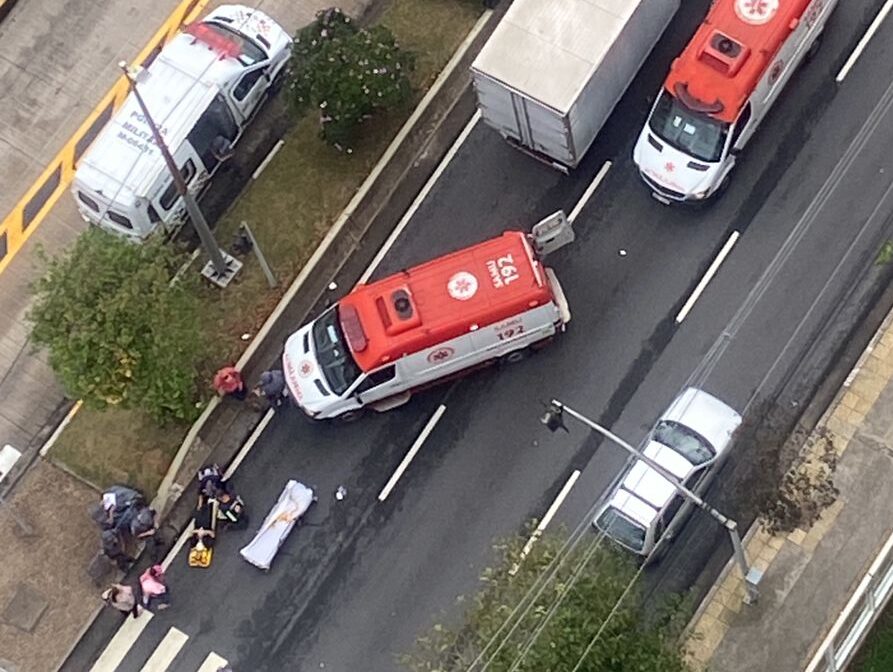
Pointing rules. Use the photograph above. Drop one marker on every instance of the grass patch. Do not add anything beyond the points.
(290, 209)
(876, 655)
(117, 446)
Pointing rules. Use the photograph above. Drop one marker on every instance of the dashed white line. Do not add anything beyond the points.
(383, 495)
(599, 176)
(120, 644)
(866, 38)
(550, 514)
(423, 194)
(166, 651)
(267, 159)
(708, 276)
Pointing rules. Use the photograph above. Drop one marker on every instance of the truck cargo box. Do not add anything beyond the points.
(553, 70)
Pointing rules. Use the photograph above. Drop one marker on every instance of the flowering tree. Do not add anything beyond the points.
(347, 73)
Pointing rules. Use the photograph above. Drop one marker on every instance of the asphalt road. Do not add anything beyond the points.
(363, 579)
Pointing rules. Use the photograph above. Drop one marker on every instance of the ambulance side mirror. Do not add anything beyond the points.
(552, 233)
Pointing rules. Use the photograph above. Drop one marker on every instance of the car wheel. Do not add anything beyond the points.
(515, 356)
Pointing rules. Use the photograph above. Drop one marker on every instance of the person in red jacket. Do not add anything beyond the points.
(228, 382)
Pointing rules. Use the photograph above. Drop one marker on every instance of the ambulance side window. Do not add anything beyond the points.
(377, 378)
(741, 124)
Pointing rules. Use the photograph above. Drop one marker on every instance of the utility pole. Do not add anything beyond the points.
(552, 420)
(222, 267)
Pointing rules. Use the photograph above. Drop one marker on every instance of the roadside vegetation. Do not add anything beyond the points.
(876, 654)
(289, 208)
(518, 628)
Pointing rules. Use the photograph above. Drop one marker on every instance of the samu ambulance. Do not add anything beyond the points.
(201, 90)
(492, 301)
(720, 89)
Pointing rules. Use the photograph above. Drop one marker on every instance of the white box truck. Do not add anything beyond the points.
(553, 70)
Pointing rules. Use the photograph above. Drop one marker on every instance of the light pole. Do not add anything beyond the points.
(553, 420)
(222, 267)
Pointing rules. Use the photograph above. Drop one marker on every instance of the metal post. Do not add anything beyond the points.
(221, 267)
(751, 575)
(261, 259)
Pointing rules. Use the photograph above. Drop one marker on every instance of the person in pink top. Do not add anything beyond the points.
(228, 382)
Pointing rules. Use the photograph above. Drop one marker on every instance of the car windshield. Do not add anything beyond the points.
(688, 131)
(687, 442)
(332, 353)
(621, 529)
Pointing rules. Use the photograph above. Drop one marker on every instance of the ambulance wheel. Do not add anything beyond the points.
(813, 48)
(515, 356)
(350, 416)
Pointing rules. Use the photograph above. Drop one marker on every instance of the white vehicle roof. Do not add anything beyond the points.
(123, 162)
(713, 419)
(548, 49)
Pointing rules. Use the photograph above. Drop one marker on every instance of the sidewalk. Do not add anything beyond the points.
(809, 575)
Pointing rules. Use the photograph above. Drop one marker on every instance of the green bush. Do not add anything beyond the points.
(347, 73)
(117, 331)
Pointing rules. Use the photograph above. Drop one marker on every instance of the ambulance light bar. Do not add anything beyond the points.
(353, 329)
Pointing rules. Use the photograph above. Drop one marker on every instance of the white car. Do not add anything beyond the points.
(689, 441)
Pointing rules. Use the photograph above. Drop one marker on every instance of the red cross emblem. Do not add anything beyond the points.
(669, 167)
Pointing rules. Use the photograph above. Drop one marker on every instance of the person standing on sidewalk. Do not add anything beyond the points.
(228, 382)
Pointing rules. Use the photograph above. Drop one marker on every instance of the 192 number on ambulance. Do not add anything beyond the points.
(502, 271)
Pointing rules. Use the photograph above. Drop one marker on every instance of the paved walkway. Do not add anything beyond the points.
(810, 574)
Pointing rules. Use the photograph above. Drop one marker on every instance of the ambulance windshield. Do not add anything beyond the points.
(688, 131)
(332, 353)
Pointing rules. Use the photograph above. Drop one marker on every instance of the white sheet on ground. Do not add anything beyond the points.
(294, 501)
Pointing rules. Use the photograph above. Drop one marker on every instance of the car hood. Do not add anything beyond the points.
(670, 168)
(713, 419)
(305, 381)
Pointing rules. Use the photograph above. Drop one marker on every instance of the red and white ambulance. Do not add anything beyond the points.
(720, 89)
(494, 300)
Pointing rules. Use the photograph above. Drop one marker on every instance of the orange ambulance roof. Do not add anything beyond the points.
(448, 295)
(759, 26)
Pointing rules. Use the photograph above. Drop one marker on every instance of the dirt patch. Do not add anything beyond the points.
(45, 574)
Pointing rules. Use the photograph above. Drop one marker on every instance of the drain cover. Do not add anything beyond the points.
(25, 608)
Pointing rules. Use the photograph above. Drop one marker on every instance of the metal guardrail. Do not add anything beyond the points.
(31, 209)
(861, 611)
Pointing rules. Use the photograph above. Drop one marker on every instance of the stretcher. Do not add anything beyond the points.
(293, 503)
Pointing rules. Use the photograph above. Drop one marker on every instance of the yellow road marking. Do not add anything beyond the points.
(19, 224)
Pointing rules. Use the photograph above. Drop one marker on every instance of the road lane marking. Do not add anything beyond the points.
(708, 276)
(591, 189)
(383, 495)
(872, 29)
(120, 644)
(166, 651)
(249, 444)
(544, 523)
(267, 159)
(423, 194)
(212, 663)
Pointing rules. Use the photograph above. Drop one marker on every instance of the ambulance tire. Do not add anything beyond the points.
(515, 356)
(813, 48)
(350, 416)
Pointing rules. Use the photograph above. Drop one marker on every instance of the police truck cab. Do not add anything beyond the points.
(492, 301)
(720, 89)
(201, 90)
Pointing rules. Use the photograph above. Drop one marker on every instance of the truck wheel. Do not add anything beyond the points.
(515, 356)
(813, 48)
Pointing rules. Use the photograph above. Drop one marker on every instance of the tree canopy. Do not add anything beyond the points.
(562, 620)
(347, 73)
(118, 332)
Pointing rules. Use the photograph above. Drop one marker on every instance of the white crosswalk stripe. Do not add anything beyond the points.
(162, 656)
(212, 663)
(120, 644)
(166, 651)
